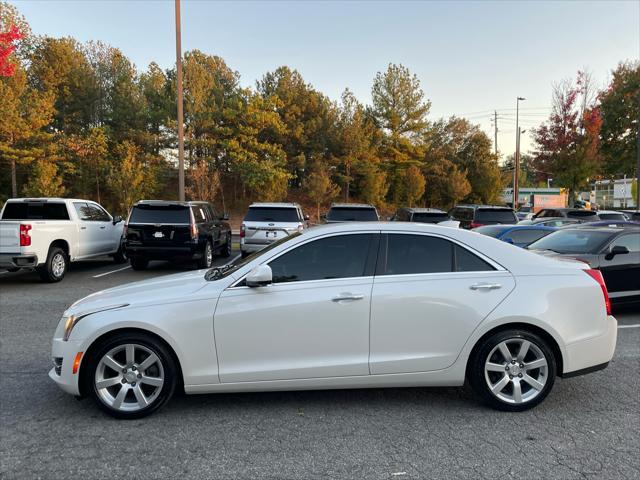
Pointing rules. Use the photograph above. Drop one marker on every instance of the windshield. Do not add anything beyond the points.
(352, 214)
(429, 217)
(272, 214)
(495, 215)
(216, 273)
(573, 241)
(581, 213)
(160, 214)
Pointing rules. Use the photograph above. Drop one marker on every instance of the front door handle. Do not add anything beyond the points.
(83, 228)
(347, 296)
(485, 286)
(102, 228)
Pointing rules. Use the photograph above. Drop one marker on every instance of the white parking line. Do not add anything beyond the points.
(112, 271)
(629, 326)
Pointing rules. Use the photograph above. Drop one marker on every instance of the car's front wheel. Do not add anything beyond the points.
(207, 256)
(512, 370)
(131, 375)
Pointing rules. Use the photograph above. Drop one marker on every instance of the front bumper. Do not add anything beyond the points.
(594, 352)
(18, 260)
(66, 352)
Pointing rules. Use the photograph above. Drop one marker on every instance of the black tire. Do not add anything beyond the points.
(120, 256)
(166, 358)
(225, 251)
(138, 263)
(13, 269)
(490, 346)
(206, 260)
(55, 267)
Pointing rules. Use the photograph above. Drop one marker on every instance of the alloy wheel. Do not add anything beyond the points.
(516, 371)
(129, 377)
(208, 253)
(58, 265)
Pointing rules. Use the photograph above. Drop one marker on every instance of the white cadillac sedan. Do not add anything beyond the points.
(343, 306)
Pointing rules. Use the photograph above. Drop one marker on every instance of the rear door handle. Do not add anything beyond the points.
(347, 296)
(83, 228)
(485, 286)
(102, 228)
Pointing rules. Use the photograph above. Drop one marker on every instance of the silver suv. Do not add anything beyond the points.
(266, 223)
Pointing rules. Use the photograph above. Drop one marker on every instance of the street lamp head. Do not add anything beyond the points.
(521, 98)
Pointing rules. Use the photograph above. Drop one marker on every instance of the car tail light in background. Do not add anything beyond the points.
(25, 236)
(194, 231)
(242, 231)
(597, 276)
(476, 225)
(300, 227)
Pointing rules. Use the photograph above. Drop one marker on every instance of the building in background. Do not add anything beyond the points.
(613, 193)
(538, 198)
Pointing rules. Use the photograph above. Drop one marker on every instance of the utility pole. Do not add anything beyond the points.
(638, 163)
(180, 106)
(495, 131)
(516, 165)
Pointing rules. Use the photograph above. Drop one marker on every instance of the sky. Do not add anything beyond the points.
(471, 57)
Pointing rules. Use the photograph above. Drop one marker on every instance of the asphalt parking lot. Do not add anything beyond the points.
(587, 428)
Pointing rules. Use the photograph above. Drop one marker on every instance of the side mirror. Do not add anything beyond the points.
(117, 219)
(508, 240)
(225, 216)
(259, 276)
(616, 250)
(306, 217)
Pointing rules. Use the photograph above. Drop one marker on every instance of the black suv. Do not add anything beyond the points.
(351, 212)
(175, 231)
(422, 215)
(472, 216)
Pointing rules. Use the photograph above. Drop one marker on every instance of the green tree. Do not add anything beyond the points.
(129, 180)
(319, 186)
(44, 181)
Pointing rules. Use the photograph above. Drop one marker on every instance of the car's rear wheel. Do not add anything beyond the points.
(226, 248)
(131, 375)
(120, 256)
(138, 263)
(512, 370)
(55, 267)
(207, 256)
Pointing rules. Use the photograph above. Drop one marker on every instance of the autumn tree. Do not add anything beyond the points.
(414, 185)
(44, 181)
(319, 186)
(128, 178)
(204, 183)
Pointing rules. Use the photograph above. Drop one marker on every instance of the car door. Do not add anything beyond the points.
(88, 230)
(312, 321)
(622, 272)
(429, 295)
(107, 237)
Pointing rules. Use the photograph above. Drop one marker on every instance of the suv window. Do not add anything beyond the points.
(158, 214)
(35, 211)
(429, 217)
(352, 214)
(341, 256)
(90, 213)
(198, 213)
(272, 214)
(496, 215)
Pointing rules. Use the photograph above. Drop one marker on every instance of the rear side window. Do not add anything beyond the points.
(495, 215)
(347, 214)
(35, 211)
(199, 213)
(342, 256)
(429, 217)
(468, 262)
(158, 214)
(272, 214)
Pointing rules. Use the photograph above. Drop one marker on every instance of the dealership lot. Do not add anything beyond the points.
(587, 427)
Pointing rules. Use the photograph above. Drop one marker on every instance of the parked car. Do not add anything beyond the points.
(612, 223)
(46, 234)
(175, 231)
(551, 221)
(518, 235)
(266, 223)
(473, 216)
(421, 215)
(632, 215)
(351, 212)
(612, 215)
(354, 305)
(577, 213)
(613, 251)
(525, 212)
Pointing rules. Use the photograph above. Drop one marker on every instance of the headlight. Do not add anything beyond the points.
(70, 321)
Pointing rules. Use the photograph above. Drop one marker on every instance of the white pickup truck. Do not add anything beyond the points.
(46, 234)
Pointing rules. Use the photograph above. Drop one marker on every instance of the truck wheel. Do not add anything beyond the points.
(55, 268)
(139, 263)
(207, 256)
(225, 251)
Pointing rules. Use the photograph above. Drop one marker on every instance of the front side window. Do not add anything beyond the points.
(573, 241)
(340, 256)
(631, 241)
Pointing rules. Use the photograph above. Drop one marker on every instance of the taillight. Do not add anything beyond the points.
(476, 225)
(25, 236)
(194, 231)
(242, 232)
(125, 230)
(597, 276)
(300, 227)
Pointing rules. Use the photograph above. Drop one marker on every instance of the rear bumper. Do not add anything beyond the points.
(591, 354)
(18, 260)
(191, 252)
(252, 247)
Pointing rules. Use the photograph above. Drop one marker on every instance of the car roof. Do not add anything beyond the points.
(351, 205)
(497, 207)
(275, 204)
(48, 199)
(162, 203)
(423, 210)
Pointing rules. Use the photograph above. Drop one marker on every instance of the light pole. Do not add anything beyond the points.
(180, 106)
(516, 166)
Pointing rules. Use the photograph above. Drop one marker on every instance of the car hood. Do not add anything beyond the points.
(165, 289)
